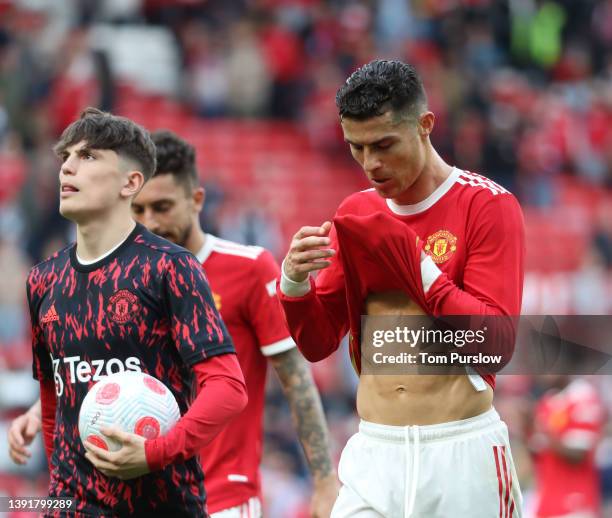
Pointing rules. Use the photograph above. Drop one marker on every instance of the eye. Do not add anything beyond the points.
(384, 145)
(137, 209)
(86, 155)
(162, 207)
(356, 147)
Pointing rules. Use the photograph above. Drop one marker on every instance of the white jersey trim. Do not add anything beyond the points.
(477, 180)
(223, 246)
(207, 248)
(271, 288)
(429, 272)
(278, 347)
(234, 477)
(430, 201)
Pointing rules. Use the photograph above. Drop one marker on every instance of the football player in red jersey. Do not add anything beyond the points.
(568, 426)
(243, 283)
(122, 298)
(427, 238)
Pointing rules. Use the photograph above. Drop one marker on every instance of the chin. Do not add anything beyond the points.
(388, 195)
(68, 212)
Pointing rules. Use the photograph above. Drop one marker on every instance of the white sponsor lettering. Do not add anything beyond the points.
(77, 370)
(98, 365)
(111, 363)
(59, 382)
(84, 372)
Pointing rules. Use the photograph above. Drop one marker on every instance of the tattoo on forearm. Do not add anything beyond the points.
(306, 409)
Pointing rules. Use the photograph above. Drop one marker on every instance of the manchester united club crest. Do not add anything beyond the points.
(122, 306)
(441, 246)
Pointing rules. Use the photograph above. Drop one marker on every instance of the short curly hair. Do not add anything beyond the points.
(102, 130)
(175, 157)
(379, 87)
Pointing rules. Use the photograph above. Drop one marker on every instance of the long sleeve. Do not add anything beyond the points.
(48, 405)
(493, 274)
(221, 396)
(318, 320)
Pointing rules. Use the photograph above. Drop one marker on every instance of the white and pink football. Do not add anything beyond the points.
(131, 401)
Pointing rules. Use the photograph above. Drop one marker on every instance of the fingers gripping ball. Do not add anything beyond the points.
(132, 401)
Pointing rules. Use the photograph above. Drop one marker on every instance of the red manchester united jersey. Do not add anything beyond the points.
(458, 252)
(574, 417)
(242, 279)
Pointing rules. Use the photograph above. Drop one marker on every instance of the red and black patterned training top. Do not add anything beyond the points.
(147, 306)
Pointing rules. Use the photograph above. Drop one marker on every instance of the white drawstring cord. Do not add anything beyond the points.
(415, 468)
(412, 470)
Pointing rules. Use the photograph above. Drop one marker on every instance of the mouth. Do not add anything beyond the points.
(67, 189)
(380, 182)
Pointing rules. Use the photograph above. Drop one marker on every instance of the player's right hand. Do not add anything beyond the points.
(306, 253)
(21, 432)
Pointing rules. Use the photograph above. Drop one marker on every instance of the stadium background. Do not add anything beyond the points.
(521, 89)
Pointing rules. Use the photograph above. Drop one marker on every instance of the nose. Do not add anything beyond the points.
(371, 162)
(69, 166)
(148, 219)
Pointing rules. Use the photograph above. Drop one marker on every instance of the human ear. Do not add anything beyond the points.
(426, 123)
(133, 183)
(198, 197)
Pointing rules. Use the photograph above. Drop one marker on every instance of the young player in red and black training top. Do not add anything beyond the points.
(122, 298)
(242, 279)
(427, 238)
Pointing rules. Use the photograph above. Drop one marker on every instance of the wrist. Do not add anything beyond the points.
(154, 454)
(292, 288)
(321, 480)
(35, 413)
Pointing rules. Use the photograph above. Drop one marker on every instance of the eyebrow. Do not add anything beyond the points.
(154, 203)
(85, 149)
(373, 143)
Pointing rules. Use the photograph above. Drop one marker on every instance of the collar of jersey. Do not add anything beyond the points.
(207, 248)
(430, 201)
(138, 229)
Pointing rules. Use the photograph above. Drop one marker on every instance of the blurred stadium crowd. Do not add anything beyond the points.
(521, 89)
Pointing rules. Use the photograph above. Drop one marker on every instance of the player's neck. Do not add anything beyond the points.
(435, 172)
(97, 237)
(196, 239)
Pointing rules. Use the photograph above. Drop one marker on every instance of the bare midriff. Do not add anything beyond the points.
(415, 399)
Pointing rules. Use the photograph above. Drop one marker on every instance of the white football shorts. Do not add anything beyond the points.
(460, 469)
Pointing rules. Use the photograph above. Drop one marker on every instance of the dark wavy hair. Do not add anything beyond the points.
(175, 157)
(102, 130)
(379, 87)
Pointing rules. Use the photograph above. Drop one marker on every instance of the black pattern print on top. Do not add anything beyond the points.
(146, 307)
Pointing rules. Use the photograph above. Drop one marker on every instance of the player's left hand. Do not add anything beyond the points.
(128, 462)
(324, 495)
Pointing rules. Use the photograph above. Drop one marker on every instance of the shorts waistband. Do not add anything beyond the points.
(430, 432)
